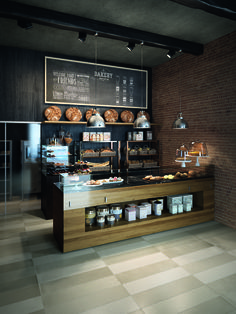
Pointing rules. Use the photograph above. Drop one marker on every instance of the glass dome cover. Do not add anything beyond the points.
(198, 149)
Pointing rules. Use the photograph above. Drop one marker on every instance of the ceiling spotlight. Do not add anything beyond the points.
(130, 46)
(82, 37)
(171, 53)
(23, 23)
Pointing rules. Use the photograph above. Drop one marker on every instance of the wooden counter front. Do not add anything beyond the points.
(69, 212)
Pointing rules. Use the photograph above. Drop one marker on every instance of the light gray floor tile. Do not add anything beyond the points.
(134, 263)
(166, 291)
(126, 256)
(124, 306)
(197, 255)
(226, 241)
(23, 307)
(182, 302)
(217, 273)
(155, 280)
(226, 287)
(88, 302)
(146, 271)
(75, 280)
(208, 263)
(214, 306)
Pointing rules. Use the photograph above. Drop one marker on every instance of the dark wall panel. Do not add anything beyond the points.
(22, 86)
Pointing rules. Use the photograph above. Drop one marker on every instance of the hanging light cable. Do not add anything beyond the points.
(142, 122)
(180, 123)
(96, 121)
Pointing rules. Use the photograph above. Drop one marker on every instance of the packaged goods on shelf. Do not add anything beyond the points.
(90, 215)
(188, 198)
(173, 208)
(148, 207)
(174, 200)
(92, 136)
(85, 136)
(149, 135)
(100, 221)
(187, 207)
(141, 212)
(157, 208)
(110, 219)
(107, 136)
(180, 208)
(130, 213)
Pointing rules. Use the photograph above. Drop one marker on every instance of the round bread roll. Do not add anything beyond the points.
(89, 113)
(140, 113)
(73, 114)
(52, 113)
(111, 115)
(127, 116)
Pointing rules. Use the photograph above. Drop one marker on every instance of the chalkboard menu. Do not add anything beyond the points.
(72, 82)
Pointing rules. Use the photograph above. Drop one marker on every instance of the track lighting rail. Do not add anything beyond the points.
(14, 10)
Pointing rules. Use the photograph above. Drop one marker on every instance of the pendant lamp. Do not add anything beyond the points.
(96, 121)
(141, 122)
(180, 123)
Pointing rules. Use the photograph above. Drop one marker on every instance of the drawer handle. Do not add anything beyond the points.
(105, 199)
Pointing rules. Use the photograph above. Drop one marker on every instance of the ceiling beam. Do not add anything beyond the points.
(13, 10)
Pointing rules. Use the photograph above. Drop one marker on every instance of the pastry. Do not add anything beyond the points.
(111, 115)
(127, 116)
(73, 114)
(52, 113)
(89, 113)
(140, 113)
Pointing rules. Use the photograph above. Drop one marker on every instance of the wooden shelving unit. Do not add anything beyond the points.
(69, 212)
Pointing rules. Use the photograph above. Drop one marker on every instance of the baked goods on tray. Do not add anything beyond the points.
(127, 116)
(111, 115)
(52, 113)
(73, 114)
(89, 113)
(140, 113)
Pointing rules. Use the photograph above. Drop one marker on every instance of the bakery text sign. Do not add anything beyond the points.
(72, 82)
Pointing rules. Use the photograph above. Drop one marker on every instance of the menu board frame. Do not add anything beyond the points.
(72, 82)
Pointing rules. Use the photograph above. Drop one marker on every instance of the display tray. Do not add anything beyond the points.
(92, 185)
(140, 165)
(95, 154)
(107, 181)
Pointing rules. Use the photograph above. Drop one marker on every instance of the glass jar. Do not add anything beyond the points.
(110, 220)
(90, 215)
(102, 210)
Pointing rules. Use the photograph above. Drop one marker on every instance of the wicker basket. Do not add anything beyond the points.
(107, 154)
(105, 168)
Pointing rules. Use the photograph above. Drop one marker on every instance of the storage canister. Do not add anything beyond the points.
(130, 213)
(141, 212)
(100, 221)
(102, 210)
(148, 207)
(157, 208)
(90, 214)
(110, 220)
(116, 210)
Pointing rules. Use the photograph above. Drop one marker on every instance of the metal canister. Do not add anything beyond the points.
(110, 219)
(90, 214)
(102, 210)
(116, 210)
(100, 221)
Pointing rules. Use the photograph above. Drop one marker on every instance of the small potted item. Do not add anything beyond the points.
(101, 221)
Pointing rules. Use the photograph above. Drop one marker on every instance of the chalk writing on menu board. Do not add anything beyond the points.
(71, 82)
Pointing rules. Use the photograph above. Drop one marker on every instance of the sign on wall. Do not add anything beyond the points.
(72, 82)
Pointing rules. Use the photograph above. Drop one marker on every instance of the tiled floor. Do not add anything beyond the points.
(189, 270)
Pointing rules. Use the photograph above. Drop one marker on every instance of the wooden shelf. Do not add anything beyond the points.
(85, 122)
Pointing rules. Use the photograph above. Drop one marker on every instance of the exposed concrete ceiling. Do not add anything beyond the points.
(164, 17)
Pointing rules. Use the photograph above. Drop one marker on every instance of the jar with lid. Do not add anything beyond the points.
(116, 210)
(100, 221)
(102, 210)
(110, 219)
(90, 215)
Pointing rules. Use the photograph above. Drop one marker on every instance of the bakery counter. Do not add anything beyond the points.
(70, 205)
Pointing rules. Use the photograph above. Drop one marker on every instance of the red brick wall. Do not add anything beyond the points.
(207, 85)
